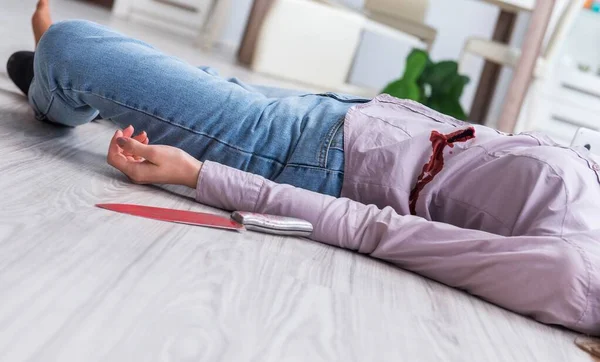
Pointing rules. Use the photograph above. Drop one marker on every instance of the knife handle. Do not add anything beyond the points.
(273, 224)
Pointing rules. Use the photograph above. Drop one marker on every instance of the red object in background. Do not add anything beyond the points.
(588, 4)
(178, 216)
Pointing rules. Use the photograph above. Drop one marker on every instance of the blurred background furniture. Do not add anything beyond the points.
(307, 41)
(570, 96)
(540, 13)
(504, 55)
(532, 44)
(314, 43)
(259, 10)
(406, 16)
(488, 81)
(201, 20)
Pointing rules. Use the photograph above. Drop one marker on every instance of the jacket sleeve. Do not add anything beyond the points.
(543, 277)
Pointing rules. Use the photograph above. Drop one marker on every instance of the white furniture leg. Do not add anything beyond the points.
(185, 17)
(122, 8)
(216, 20)
(524, 70)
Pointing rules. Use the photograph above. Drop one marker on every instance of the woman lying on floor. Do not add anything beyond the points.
(513, 219)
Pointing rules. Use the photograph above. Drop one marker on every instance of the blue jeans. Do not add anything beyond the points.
(83, 70)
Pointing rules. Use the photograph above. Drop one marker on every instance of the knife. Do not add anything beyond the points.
(239, 220)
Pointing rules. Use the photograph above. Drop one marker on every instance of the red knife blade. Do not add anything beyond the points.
(177, 216)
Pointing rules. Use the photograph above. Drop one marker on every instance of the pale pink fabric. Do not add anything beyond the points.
(514, 220)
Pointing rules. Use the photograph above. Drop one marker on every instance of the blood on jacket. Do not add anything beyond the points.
(439, 142)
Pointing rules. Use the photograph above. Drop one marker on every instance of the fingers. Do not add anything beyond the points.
(142, 137)
(128, 131)
(128, 155)
(113, 148)
(136, 148)
(115, 155)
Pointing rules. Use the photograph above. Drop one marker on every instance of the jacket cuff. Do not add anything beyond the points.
(228, 188)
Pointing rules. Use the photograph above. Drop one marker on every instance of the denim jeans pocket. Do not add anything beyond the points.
(327, 175)
(334, 159)
(337, 141)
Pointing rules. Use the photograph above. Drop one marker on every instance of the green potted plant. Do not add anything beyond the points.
(436, 85)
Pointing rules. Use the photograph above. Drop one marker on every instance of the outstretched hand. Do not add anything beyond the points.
(151, 164)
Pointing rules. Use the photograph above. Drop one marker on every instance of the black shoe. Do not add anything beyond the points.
(20, 69)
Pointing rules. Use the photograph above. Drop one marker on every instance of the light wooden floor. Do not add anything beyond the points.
(82, 284)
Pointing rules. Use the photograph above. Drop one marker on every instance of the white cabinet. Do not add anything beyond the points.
(571, 99)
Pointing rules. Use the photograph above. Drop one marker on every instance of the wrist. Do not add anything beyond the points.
(193, 174)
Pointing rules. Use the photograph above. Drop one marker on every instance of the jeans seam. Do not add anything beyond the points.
(175, 124)
(50, 101)
(322, 151)
(330, 137)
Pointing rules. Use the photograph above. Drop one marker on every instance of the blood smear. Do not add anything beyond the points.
(436, 161)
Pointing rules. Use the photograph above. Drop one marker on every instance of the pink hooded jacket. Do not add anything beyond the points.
(513, 219)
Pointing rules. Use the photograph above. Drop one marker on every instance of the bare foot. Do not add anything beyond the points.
(41, 20)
